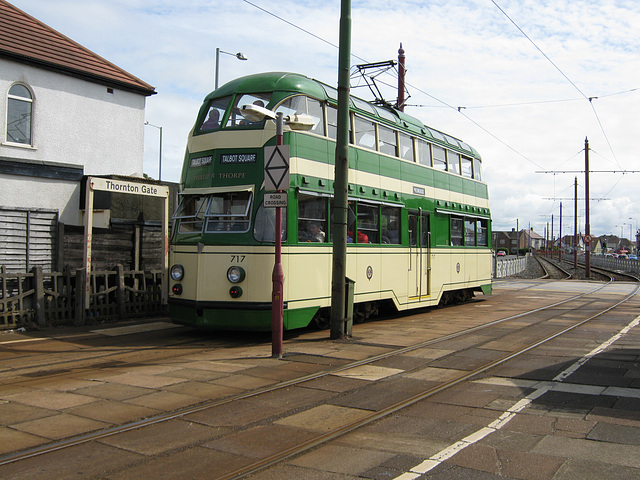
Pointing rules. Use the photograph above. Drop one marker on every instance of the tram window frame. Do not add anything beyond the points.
(482, 229)
(405, 147)
(304, 105)
(219, 104)
(331, 113)
(264, 225)
(466, 166)
(229, 220)
(469, 232)
(235, 118)
(190, 213)
(390, 222)
(364, 132)
(453, 159)
(312, 209)
(354, 235)
(424, 153)
(368, 222)
(477, 169)
(456, 232)
(439, 157)
(387, 140)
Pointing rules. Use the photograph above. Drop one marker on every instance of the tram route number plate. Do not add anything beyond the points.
(273, 200)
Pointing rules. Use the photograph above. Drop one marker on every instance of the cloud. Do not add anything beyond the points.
(460, 53)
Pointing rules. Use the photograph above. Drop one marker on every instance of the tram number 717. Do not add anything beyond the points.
(238, 258)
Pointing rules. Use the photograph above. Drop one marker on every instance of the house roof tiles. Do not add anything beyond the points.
(26, 39)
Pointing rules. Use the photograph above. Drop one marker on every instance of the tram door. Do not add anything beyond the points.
(419, 256)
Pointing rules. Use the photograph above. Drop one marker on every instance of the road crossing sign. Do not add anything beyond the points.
(276, 167)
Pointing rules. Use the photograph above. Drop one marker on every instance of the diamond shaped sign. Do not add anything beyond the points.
(276, 167)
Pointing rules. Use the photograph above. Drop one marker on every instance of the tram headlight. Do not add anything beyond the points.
(177, 273)
(235, 274)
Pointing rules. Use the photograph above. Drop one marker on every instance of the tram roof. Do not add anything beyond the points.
(295, 82)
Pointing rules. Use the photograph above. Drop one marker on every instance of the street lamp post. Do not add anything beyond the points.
(239, 56)
(160, 152)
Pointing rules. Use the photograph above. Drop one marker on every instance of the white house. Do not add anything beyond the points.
(65, 112)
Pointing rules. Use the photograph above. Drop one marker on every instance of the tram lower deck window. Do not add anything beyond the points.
(457, 232)
(312, 219)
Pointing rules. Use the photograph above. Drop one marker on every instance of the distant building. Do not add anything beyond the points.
(66, 113)
(530, 239)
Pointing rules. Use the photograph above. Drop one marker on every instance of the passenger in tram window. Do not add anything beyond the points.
(213, 121)
(315, 233)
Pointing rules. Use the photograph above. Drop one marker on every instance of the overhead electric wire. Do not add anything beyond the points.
(590, 99)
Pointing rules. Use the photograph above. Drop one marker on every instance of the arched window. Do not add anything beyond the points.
(19, 108)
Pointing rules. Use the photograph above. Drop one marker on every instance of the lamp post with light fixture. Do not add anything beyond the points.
(160, 153)
(239, 56)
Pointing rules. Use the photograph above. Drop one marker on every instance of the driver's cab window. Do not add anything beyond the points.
(235, 117)
(213, 119)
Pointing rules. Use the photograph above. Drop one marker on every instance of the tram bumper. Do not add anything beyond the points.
(253, 316)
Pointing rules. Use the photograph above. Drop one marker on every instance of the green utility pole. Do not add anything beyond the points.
(340, 199)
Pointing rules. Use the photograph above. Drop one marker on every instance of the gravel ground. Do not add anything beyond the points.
(534, 270)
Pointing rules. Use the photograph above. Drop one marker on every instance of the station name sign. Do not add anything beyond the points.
(119, 186)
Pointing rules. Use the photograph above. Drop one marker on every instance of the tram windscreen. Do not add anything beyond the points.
(229, 212)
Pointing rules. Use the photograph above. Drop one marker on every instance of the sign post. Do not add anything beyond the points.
(276, 176)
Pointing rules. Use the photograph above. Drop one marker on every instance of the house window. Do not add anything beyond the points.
(19, 109)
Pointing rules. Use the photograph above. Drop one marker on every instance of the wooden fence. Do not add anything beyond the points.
(46, 299)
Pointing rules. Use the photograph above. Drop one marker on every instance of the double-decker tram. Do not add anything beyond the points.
(418, 221)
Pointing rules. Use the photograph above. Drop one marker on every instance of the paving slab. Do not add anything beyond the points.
(347, 460)
(91, 460)
(323, 418)
(109, 411)
(13, 441)
(262, 441)
(194, 463)
(60, 426)
(160, 438)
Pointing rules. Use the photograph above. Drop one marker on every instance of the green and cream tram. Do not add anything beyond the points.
(419, 218)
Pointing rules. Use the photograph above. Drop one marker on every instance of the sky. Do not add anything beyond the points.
(524, 82)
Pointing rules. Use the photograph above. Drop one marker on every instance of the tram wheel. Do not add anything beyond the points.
(322, 319)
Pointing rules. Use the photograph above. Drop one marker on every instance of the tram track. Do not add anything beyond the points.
(303, 446)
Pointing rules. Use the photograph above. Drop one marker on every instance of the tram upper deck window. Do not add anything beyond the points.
(229, 212)
(454, 162)
(332, 122)
(190, 213)
(477, 169)
(365, 133)
(405, 146)
(467, 167)
(215, 113)
(302, 105)
(424, 153)
(236, 119)
(439, 158)
(387, 141)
